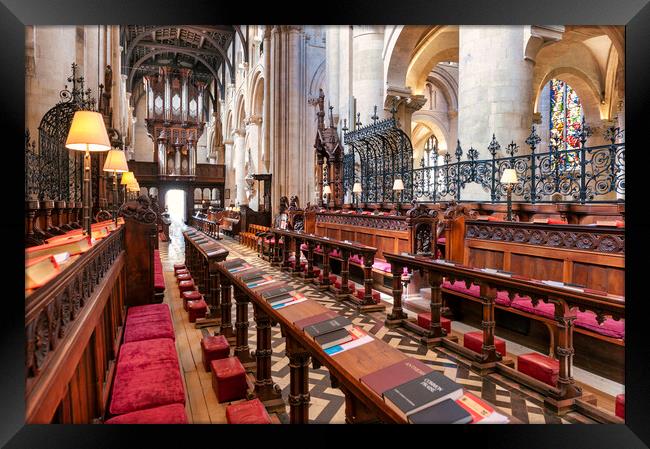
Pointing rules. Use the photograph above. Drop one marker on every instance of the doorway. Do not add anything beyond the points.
(175, 202)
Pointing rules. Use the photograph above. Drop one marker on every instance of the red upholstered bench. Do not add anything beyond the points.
(196, 309)
(214, 347)
(184, 277)
(424, 320)
(228, 379)
(191, 295)
(186, 286)
(474, 342)
(541, 367)
(360, 293)
(249, 412)
(338, 284)
(166, 414)
(179, 266)
(620, 406)
(147, 376)
(474, 290)
(148, 327)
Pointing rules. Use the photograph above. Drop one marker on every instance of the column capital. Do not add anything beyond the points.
(255, 119)
(536, 36)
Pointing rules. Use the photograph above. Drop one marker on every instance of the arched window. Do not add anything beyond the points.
(565, 115)
(427, 157)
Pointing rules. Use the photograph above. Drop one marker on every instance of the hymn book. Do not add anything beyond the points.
(358, 337)
(76, 245)
(333, 338)
(295, 299)
(482, 412)
(318, 329)
(422, 392)
(445, 412)
(396, 374)
(304, 322)
(40, 271)
(279, 291)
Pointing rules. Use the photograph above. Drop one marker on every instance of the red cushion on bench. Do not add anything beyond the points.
(424, 320)
(148, 309)
(382, 266)
(228, 379)
(609, 328)
(249, 412)
(185, 286)
(190, 295)
(145, 380)
(441, 240)
(184, 277)
(475, 290)
(361, 292)
(335, 253)
(196, 309)
(158, 282)
(332, 278)
(148, 328)
(182, 271)
(474, 341)
(166, 414)
(304, 247)
(620, 406)
(178, 266)
(214, 347)
(356, 259)
(541, 367)
(338, 284)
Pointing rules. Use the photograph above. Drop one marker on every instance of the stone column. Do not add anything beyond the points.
(333, 71)
(239, 136)
(368, 70)
(266, 156)
(494, 92)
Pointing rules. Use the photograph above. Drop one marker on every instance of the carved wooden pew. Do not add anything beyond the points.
(562, 397)
(346, 369)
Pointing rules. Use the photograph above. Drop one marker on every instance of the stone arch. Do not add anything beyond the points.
(423, 121)
(317, 80)
(257, 94)
(240, 112)
(440, 44)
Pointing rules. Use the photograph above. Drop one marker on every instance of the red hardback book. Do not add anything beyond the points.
(396, 374)
(304, 322)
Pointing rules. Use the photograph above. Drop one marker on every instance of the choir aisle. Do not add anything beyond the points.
(327, 404)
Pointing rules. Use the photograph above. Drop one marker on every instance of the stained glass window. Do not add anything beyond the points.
(565, 120)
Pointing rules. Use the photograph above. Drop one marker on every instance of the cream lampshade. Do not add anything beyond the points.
(327, 190)
(88, 132)
(357, 188)
(509, 176)
(127, 178)
(116, 162)
(398, 185)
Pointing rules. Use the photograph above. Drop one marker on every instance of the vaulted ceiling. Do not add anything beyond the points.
(202, 48)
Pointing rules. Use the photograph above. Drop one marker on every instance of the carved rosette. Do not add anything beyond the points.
(139, 210)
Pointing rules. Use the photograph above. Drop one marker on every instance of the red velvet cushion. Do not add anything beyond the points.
(382, 266)
(182, 271)
(151, 329)
(228, 379)
(158, 283)
(178, 266)
(609, 328)
(620, 224)
(192, 295)
(474, 341)
(331, 276)
(556, 221)
(186, 285)
(304, 247)
(148, 309)
(356, 259)
(184, 277)
(493, 218)
(318, 249)
(214, 347)
(335, 253)
(316, 271)
(424, 320)
(197, 305)
(441, 240)
(543, 368)
(147, 376)
(338, 284)
(620, 406)
(361, 292)
(249, 412)
(227, 368)
(166, 414)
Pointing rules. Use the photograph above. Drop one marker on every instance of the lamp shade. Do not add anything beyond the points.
(88, 132)
(327, 190)
(133, 186)
(357, 188)
(116, 162)
(509, 176)
(127, 178)
(398, 184)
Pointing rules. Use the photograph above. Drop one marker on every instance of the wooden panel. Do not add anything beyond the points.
(332, 233)
(385, 243)
(482, 258)
(607, 279)
(537, 267)
(403, 246)
(347, 235)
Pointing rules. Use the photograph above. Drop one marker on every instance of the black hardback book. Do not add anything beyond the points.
(324, 327)
(279, 299)
(234, 263)
(445, 412)
(253, 275)
(269, 294)
(334, 338)
(422, 392)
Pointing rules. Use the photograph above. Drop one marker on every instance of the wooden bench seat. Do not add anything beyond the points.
(158, 278)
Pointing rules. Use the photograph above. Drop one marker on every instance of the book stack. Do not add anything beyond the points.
(331, 332)
(256, 279)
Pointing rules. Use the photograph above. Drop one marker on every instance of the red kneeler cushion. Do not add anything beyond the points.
(196, 309)
(249, 412)
(184, 277)
(191, 295)
(158, 282)
(541, 367)
(424, 320)
(179, 266)
(166, 414)
(182, 271)
(147, 376)
(620, 406)
(474, 341)
(316, 271)
(228, 379)
(475, 290)
(185, 286)
(338, 284)
(214, 347)
(332, 278)
(361, 292)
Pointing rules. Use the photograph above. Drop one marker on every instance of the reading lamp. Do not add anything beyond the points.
(327, 191)
(127, 178)
(356, 189)
(509, 178)
(398, 186)
(87, 133)
(116, 163)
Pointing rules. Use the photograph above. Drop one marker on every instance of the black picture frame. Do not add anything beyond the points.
(635, 14)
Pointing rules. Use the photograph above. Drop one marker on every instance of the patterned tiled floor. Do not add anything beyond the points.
(327, 404)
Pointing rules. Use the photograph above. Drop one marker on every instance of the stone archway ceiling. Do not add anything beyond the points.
(202, 48)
